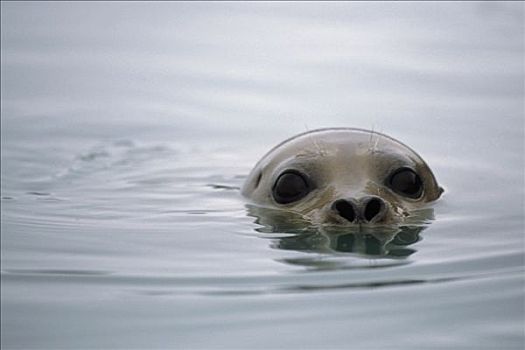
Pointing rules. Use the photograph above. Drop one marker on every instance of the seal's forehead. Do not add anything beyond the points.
(340, 143)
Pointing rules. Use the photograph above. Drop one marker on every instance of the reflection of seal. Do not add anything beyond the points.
(390, 241)
(343, 176)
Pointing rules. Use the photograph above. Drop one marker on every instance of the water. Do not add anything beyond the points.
(127, 129)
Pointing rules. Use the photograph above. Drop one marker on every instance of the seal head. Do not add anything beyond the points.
(343, 176)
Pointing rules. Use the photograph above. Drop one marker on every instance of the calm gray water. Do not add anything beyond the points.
(127, 129)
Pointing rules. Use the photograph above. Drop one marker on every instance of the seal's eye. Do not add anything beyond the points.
(290, 187)
(406, 182)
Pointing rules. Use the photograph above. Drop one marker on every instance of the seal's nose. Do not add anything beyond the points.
(347, 208)
(373, 209)
(369, 209)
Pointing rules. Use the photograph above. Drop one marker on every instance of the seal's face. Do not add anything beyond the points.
(343, 176)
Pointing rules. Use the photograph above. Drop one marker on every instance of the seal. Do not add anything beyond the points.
(343, 176)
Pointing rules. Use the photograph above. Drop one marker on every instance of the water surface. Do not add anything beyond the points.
(127, 129)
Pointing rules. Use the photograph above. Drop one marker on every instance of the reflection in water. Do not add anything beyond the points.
(385, 241)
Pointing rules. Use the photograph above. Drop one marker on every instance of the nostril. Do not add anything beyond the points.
(345, 209)
(372, 209)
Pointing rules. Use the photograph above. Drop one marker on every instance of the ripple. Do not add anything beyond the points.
(331, 287)
(35, 193)
(224, 187)
(238, 284)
